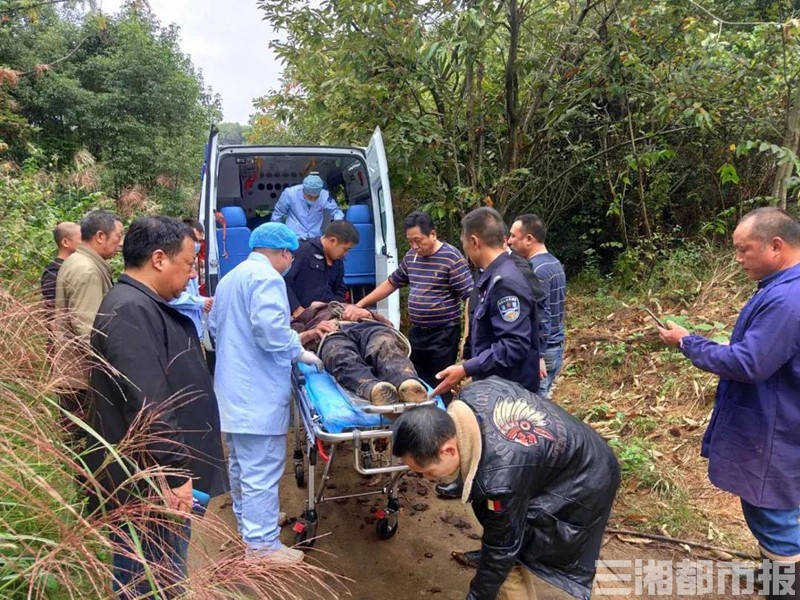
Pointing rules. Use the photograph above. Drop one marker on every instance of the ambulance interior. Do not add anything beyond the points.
(254, 183)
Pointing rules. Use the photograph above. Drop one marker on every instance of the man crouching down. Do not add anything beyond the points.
(541, 484)
(362, 350)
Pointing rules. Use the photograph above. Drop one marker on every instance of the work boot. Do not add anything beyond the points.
(412, 390)
(450, 491)
(384, 393)
(469, 559)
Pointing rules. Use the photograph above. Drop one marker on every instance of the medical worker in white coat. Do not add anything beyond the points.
(255, 350)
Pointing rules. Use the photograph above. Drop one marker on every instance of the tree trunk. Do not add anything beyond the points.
(791, 140)
(512, 100)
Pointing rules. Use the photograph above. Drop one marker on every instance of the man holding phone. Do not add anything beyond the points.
(752, 442)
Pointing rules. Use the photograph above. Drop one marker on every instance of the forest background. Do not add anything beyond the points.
(635, 129)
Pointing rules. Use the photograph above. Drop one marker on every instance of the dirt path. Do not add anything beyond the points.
(416, 563)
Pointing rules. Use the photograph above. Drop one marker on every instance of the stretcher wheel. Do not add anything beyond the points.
(300, 476)
(305, 533)
(386, 527)
(302, 542)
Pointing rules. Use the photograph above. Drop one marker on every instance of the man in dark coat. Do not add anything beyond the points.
(317, 273)
(154, 387)
(540, 482)
(503, 328)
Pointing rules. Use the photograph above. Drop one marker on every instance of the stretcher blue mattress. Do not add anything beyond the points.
(339, 410)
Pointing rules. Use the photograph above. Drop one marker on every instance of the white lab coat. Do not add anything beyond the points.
(255, 348)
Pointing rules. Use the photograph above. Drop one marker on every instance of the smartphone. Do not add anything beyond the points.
(656, 319)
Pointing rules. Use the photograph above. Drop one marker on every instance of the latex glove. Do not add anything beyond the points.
(309, 358)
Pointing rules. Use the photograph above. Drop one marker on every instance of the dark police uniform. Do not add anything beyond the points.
(312, 279)
(504, 338)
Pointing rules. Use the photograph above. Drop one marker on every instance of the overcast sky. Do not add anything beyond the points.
(228, 41)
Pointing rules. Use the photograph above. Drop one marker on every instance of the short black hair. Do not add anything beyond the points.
(148, 234)
(195, 224)
(420, 433)
(421, 220)
(533, 225)
(487, 225)
(98, 220)
(770, 222)
(344, 231)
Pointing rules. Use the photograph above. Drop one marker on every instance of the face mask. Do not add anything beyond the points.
(286, 270)
(196, 248)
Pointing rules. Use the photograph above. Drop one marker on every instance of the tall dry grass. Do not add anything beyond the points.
(51, 546)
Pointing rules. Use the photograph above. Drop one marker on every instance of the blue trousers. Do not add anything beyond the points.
(553, 359)
(255, 466)
(164, 547)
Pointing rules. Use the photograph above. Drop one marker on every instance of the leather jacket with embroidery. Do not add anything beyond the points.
(543, 489)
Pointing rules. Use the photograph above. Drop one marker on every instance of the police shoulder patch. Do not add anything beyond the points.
(509, 308)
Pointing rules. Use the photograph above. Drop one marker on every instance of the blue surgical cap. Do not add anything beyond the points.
(274, 235)
(312, 184)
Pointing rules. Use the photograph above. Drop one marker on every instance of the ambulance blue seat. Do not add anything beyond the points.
(233, 241)
(359, 263)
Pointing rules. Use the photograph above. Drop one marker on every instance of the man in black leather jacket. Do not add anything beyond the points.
(540, 481)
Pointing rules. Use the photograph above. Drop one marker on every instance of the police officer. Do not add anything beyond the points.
(502, 326)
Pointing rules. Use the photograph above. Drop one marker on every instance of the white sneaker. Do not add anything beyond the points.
(284, 556)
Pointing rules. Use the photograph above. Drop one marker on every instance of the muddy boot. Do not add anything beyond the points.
(384, 393)
(467, 559)
(411, 390)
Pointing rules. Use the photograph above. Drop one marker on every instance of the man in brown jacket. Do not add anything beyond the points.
(83, 280)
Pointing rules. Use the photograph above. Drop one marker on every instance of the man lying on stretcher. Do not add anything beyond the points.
(362, 350)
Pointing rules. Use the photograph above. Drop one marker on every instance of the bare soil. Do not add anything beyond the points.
(416, 562)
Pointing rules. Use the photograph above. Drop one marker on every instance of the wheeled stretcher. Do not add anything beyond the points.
(330, 415)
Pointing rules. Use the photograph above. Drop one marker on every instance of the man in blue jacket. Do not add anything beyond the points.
(303, 207)
(255, 350)
(752, 442)
(317, 274)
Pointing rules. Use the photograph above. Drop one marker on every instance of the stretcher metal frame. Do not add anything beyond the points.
(316, 439)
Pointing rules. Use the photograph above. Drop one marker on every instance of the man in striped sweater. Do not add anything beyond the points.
(439, 280)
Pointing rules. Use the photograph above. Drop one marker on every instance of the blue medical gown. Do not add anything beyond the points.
(303, 218)
(255, 348)
(191, 304)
